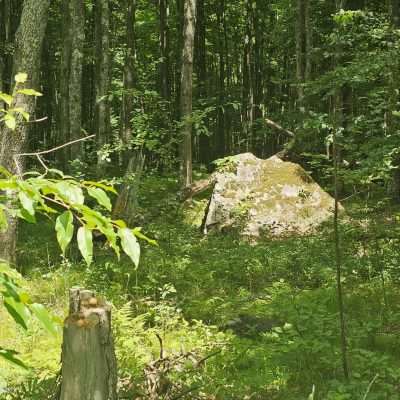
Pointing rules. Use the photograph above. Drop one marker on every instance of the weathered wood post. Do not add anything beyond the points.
(89, 367)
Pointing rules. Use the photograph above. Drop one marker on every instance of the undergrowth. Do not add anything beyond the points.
(235, 320)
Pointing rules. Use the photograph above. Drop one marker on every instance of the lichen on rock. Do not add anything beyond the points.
(278, 199)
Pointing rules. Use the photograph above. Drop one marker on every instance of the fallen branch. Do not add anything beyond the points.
(197, 187)
(278, 127)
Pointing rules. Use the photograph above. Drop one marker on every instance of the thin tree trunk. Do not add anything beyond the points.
(102, 76)
(248, 90)
(127, 200)
(28, 42)
(186, 92)
(201, 71)
(220, 135)
(337, 160)
(165, 88)
(64, 120)
(308, 41)
(89, 366)
(394, 82)
(8, 10)
(77, 33)
(300, 51)
(338, 262)
(129, 75)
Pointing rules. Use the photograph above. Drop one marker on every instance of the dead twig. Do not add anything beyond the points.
(279, 128)
(40, 153)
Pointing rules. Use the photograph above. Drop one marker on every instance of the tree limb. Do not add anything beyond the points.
(278, 127)
(197, 187)
(39, 153)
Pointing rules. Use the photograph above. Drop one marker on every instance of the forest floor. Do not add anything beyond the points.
(265, 315)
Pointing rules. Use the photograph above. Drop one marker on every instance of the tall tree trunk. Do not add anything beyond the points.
(129, 73)
(10, 12)
(28, 42)
(248, 89)
(201, 72)
(63, 119)
(394, 98)
(127, 201)
(180, 7)
(77, 33)
(301, 43)
(339, 123)
(3, 22)
(165, 88)
(89, 72)
(308, 41)
(220, 134)
(103, 60)
(186, 92)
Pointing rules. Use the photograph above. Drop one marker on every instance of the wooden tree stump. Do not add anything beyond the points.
(89, 367)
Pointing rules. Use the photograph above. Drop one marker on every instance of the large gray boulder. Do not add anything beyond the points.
(266, 198)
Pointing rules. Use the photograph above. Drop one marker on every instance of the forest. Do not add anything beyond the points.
(199, 199)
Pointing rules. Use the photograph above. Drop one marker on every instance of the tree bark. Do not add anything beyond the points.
(301, 50)
(28, 42)
(89, 366)
(220, 134)
(308, 41)
(103, 60)
(77, 34)
(129, 76)
(125, 207)
(393, 97)
(248, 88)
(64, 120)
(165, 88)
(339, 123)
(201, 71)
(186, 92)
(180, 20)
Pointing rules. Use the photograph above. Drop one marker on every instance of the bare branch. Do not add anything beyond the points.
(38, 120)
(39, 153)
(278, 127)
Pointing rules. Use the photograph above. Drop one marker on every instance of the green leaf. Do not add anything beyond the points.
(30, 92)
(5, 172)
(101, 196)
(6, 98)
(10, 272)
(27, 203)
(22, 213)
(22, 112)
(65, 229)
(137, 232)
(85, 243)
(18, 311)
(40, 312)
(21, 77)
(103, 186)
(10, 355)
(120, 223)
(130, 245)
(10, 289)
(10, 122)
(111, 238)
(71, 193)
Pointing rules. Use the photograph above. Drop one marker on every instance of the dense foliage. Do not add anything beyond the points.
(127, 119)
